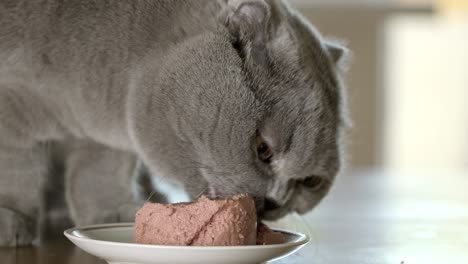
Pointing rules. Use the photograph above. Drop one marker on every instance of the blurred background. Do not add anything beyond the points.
(408, 82)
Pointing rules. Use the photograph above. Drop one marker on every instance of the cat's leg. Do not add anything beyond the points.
(22, 174)
(99, 184)
(23, 165)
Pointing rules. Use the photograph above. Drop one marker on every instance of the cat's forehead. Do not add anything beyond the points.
(300, 74)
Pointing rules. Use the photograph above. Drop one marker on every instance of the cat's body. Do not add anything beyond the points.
(164, 81)
(75, 59)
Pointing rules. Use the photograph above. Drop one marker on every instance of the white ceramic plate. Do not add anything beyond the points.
(114, 243)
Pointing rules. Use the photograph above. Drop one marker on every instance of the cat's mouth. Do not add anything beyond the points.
(273, 210)
(275, 214)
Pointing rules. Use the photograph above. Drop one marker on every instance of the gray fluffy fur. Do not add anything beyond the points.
(184, 86)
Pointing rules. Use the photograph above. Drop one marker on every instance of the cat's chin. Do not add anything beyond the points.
(271, 215)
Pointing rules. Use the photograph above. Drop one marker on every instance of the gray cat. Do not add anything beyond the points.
(224, 97)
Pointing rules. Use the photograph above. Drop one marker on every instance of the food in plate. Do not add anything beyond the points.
(228, 222)
(206, 222)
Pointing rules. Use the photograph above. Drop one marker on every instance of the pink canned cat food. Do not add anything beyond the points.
(206, 222)
(266, 236)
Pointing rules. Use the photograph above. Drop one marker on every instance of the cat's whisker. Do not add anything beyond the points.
(201, 193)
(150, 195)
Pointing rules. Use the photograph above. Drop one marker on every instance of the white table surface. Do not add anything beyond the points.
(389, 217)
(418, 217)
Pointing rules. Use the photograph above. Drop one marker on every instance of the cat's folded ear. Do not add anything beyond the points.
(339, 54)
(247, 21)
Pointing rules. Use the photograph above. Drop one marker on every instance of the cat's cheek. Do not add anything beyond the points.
(305, 200)
(302, 206)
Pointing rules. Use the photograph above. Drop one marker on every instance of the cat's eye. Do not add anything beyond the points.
(313, 182)
(264, 151)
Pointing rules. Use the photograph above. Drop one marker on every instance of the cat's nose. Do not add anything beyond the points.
(271, 204)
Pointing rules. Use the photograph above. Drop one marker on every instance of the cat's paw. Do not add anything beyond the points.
(15, 230)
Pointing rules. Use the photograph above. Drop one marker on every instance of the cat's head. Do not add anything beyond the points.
(256, 107)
